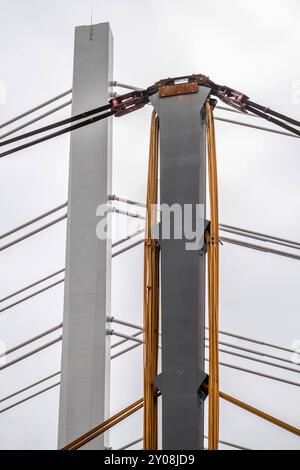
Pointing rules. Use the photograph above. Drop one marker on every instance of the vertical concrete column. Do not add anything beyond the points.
(182, 182)
(85, 376)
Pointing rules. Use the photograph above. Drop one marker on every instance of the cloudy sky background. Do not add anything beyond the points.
(252, 46)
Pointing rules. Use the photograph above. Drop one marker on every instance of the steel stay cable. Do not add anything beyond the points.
(253, 351)
(30, 397)
(131, 338)
(253, 126)
(259, 374)
(116, 253)
(18, 392)
(57, 133)
(291, 369)
(54, 284)
(46, 278)
(32, 221)
(34, 232)
(273, 120)
(255, 341)
(31, 340)
(231, 366)
(36, 119)
(31, 353)
(269, 111)
(137, 99)
(257, 237)
(54, 125)
(263, 235)
(226, 333)
(231, 345)
(121, 335)
(264, 249)
(118, 343)
(36, 108)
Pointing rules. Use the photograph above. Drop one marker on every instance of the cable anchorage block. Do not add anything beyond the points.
(233, 98)
(129, 102)
(180, 85)
(206, 229)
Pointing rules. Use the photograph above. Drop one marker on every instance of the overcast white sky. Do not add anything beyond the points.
(251, 45)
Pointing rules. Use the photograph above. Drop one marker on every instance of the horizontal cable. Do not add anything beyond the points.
(34, 232)
(259, 248)
(260, 414)
(32, 285)
(36, 108)
(32, 340)
(38, 118)
(252, 126)
(125, 323)
(32, 221)
(18, 392)
(31, 295)
(124, 85)
(113, 197)
(30, 397)
(30, 353)
(128, 214)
